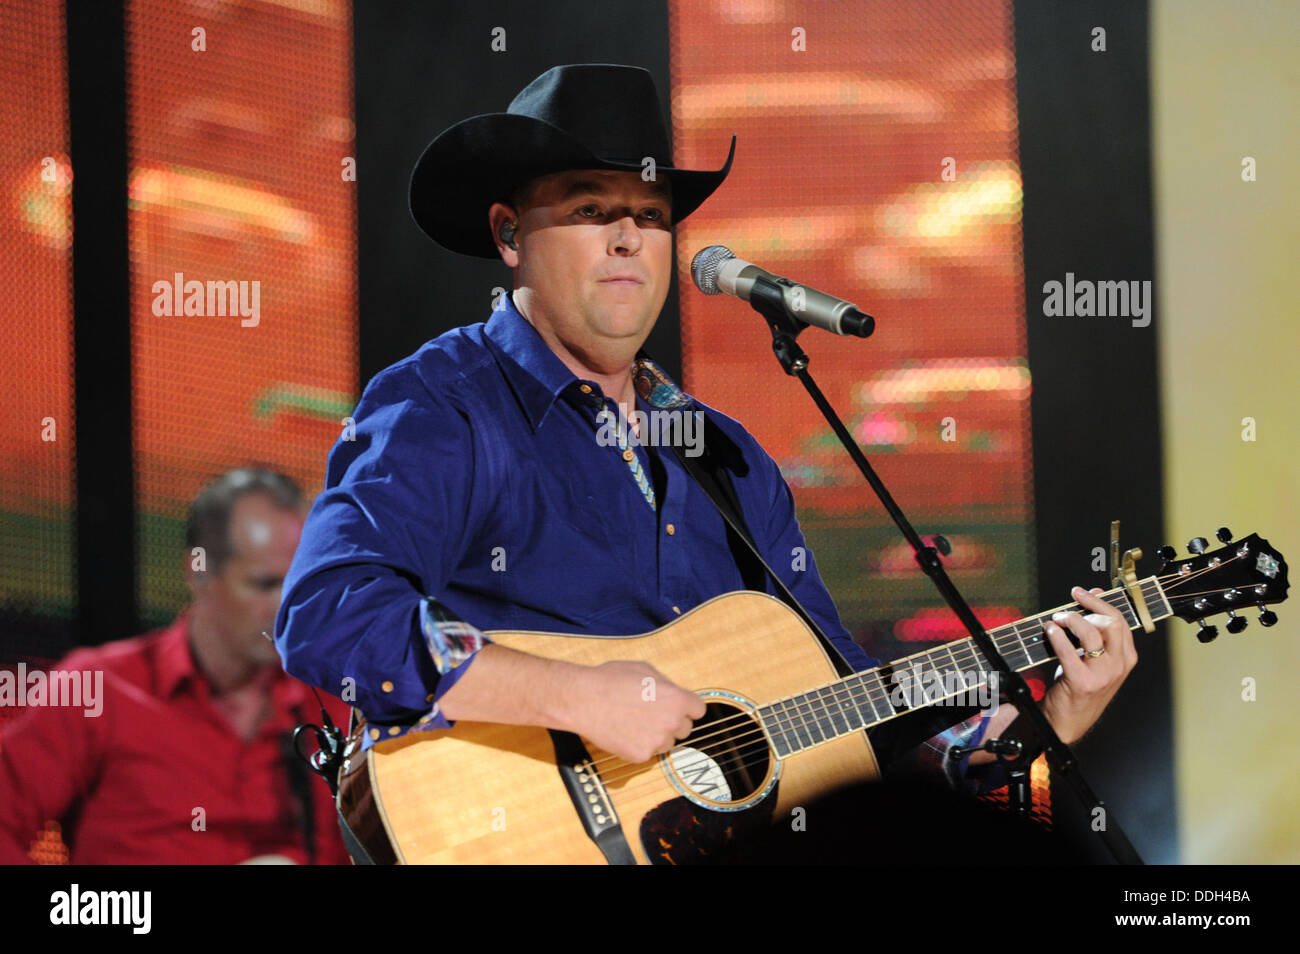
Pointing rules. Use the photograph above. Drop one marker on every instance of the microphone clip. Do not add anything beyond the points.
(767, 299)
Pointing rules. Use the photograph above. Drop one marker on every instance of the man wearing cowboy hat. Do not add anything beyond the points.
(474, 488)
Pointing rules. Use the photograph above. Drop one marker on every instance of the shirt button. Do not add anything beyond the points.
(584, 388)
(670, 529)
(629, 454)
(429, 697)
(386, 686)
(677, 611)
(374, 733)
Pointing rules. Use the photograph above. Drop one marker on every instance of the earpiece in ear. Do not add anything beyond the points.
(508, 234)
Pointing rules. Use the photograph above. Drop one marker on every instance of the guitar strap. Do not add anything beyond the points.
(351, 843)
(711, 472)
(298, 773)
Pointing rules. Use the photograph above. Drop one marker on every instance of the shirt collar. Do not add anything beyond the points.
(531, 368)
(655, 387)
(175, 661)
(537, 375)
(176, 666)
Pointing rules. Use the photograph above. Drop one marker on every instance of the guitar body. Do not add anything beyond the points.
(484, 793)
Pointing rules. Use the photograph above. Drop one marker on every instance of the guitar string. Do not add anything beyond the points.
(968, 651)
(735, 743)
(1242, 606)
(743, 762)
(756, 733)
(816, 712)
(753, 736)
(613, 776)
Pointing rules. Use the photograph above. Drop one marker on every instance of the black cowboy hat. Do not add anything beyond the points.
(583, 116)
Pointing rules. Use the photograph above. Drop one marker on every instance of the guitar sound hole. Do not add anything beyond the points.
(727, 777)
(725, 762)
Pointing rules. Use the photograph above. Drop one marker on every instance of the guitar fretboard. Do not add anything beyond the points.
(926, 678)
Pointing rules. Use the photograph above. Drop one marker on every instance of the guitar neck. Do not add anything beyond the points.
(956, 668)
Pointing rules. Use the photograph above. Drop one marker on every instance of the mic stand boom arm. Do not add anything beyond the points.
(766, 298)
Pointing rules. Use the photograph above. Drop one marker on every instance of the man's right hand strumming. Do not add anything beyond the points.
(629, 709)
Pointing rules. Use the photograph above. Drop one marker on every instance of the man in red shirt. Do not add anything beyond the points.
(179, 749)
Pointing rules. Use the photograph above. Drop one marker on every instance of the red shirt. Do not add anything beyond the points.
(127, 785)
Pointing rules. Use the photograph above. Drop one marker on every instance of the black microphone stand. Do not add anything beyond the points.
(767, 299)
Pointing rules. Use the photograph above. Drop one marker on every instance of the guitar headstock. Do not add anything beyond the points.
(1234, 577)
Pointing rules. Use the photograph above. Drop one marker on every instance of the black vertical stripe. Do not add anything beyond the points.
(1085, 156)
(105, 474)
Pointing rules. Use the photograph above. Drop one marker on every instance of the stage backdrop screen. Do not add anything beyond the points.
(877, 160)
(243, 254)
(37, 425)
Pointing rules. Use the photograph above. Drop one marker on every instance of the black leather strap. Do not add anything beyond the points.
(353, 845)
(350, 841)
(298, 774)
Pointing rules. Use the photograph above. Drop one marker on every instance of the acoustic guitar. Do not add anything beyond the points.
(781, 728)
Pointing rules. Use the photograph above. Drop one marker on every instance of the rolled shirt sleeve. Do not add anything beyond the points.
(359, 616)
(935, 754)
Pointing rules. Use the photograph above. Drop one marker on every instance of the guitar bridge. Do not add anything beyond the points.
(590, 798)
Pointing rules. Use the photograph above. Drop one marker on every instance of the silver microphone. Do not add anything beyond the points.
(716, 270)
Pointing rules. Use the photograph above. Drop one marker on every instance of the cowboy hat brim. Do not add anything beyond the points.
(482, 159)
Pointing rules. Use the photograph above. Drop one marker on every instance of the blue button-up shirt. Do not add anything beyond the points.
(472, 473)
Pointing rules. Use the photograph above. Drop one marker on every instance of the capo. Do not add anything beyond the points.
(1123, 572)
(1135, 592)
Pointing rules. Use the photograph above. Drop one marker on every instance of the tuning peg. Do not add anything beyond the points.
(1197, 544)
(1236, 623)
(1207, 634)
(1224, 535)
(1266, 616)
(1167, 553)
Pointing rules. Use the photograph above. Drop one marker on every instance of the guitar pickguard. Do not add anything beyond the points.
(679, 832)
